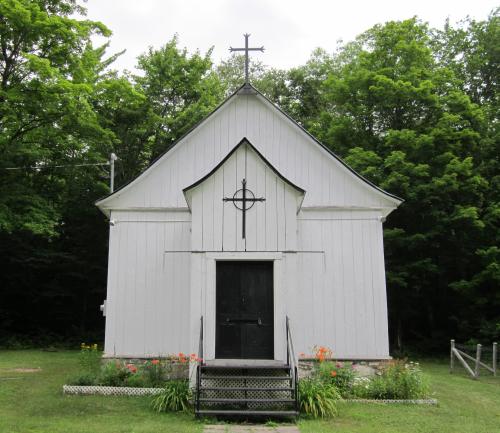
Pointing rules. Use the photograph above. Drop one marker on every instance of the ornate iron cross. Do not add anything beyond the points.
(246, 49)
(240, 196)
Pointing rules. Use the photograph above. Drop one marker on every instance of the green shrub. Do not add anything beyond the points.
(175, 396)
(90, 358)
(399, 380)
(154, 373)
(113, 374)
(136, 381)
(340, 374)
(84, 379)
(317, 398)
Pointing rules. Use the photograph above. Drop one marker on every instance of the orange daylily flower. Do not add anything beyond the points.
(132, 368)
(322, 353)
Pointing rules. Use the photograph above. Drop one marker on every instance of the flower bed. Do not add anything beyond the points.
(393, 382)
(141, 374)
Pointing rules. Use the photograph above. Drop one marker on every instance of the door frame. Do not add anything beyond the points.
(208, 298)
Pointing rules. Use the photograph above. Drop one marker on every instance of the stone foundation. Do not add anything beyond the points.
(177, 370)
(173, 369)
(363, 368)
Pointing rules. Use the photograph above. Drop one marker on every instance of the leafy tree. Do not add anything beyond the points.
(53, 268)
(46, 116)
(471, 50)
(402, 119)
(124, 110)
(180, 90)
(412, 108)
(304, 100)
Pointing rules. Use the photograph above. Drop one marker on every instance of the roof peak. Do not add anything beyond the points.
(247, 89)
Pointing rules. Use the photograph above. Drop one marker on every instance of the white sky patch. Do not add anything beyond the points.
(288, 29)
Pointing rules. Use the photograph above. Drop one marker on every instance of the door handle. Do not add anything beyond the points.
(257, 321)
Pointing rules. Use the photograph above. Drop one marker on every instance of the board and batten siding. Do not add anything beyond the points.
(271, 225)
(338, 299)
(148, 304)
(165, 239)
(287, 147)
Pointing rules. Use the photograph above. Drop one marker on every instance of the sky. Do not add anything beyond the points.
(288, 29)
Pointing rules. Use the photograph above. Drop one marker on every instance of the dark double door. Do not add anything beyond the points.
(244, 310)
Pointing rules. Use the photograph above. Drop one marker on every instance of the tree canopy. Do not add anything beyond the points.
(412, 108)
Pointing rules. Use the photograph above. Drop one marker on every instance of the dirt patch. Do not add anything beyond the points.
(24, 370)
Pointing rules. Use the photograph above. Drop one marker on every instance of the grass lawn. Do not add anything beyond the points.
(33, 402)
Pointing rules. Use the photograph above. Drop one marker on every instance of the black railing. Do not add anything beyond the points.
(198, 368)
(291, 361)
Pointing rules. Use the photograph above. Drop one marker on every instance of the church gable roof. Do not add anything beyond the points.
(246, 113)
(244, 203)
(244, 141)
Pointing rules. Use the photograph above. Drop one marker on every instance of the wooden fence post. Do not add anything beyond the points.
(494, 359)
(478, 360)
(452, 346)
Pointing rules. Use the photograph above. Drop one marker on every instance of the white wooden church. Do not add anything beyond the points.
(245, 221)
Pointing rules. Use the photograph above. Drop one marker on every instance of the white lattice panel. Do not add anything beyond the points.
(429, 401)
(109, 390)
(232, 378)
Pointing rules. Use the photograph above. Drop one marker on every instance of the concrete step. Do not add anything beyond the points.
(249, 377)
(246, 400)
(228, 388)
(256, 413)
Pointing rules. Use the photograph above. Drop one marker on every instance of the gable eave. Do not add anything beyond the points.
(391, 197)
(103, 200)
(105, 204)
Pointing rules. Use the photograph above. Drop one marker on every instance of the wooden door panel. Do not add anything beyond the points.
(244, 310)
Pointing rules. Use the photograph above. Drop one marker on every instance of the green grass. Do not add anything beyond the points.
(34, 403)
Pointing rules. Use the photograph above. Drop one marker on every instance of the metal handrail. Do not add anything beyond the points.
(200, 344)
(291, 361)
(198, 368)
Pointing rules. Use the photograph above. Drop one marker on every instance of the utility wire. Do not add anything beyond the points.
(54, 166)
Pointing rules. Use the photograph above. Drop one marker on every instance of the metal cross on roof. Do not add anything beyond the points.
(246, 49)
(241, 196)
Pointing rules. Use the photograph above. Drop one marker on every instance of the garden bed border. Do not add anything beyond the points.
(132, 391)
(424, 401)
(109, 390)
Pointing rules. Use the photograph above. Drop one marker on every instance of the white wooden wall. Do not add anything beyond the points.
(334, 293)
(289, 149)
(271, 225)
(333, 286)
(148, 300)
(338, 298)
